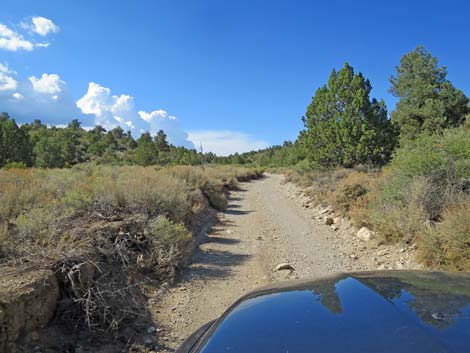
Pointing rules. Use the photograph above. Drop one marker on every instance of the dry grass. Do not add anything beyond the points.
(319, 184)
(96, 225)
(37, 207)
(447, 246)
(350, 189)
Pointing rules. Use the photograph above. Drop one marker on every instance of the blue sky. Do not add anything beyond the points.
(236, 75)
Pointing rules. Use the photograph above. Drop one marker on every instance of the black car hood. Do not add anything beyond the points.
(371, 312)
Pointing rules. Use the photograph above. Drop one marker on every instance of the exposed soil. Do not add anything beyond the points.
(266, 224)
(27, 300)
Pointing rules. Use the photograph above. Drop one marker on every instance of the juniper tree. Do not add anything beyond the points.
(344, 127)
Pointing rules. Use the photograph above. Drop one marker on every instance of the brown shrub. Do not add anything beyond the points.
(359, 212)
(447, 246)
(319, 184)
(349, 189)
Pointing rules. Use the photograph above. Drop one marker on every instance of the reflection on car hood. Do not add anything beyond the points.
(392, 311)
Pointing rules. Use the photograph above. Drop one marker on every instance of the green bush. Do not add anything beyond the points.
(442, 160)
(402, 218)
(425, 176)
(15, 165)
(166, 232)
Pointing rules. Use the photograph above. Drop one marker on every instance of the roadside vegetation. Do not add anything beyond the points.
(406, 177)
(101, 228)
(46, 211)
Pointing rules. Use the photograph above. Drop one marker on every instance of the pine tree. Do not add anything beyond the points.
(161, 142)
(15, 146)
(146, 152)
(428, 102)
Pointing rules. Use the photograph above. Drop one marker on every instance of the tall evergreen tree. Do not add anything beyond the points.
(14, 142)
(343, 127)
(146, 152)
(72, 150)
(49, 151)
(428, 101)
(161, 142)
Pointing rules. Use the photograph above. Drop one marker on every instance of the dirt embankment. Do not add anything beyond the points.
(28, 300)
(267, 224)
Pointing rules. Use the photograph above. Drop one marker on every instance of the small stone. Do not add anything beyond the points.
(334, 227)
(402, 250)
(34, 336)
(329, 221)
(365, 234)
(381, 267)
(151, 329)
(284, 266)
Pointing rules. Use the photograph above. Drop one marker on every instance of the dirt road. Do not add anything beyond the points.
(264, 226)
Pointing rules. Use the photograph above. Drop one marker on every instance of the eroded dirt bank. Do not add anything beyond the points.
(266, 224)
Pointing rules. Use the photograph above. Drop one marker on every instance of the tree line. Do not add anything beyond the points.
(345, 127)
(37, 145)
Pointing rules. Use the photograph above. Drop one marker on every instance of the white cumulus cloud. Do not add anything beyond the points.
(225, 142)
(7, 82)
(13, 41)
(48, 83)
(118, 110)
(43, 26)
(161, 120)
(109, 110)
(45, 98)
